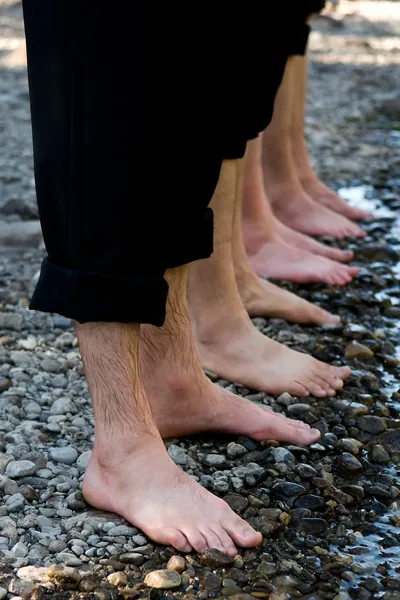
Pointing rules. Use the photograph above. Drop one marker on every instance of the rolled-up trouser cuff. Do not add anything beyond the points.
(85, 296)
(191, 241)
(298, 40)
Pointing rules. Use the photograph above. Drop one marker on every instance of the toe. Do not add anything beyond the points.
(226, 541)
(305, 438)
(298, 389)
(339, 372)
(321, 317)
(196, 540)
(178, 540)
(241, 532)
(212, 540)
(313, 387)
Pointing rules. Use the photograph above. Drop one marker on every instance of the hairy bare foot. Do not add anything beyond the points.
(293, 207)
(322, 194)
(151, 492)
(278, 260)
(264, 299)
(305, 242)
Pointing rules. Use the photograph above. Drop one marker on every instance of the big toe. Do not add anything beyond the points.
(241, 532)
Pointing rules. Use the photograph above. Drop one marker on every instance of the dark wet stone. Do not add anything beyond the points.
(301, 411)
(266, 526)
(349, 464)
(216, 560)
(379, 455)
(338, 495)
(310, 501)
(356, 491)
(266, 569)
(321, 483)
(306, 471)
(372, 424)
(378, 253)
(211, 581)
(358, 351)
(300, 513)
(312, 526)
(379, 492)
(236, 502)
(349, 445)
(288, 489)
(391, 441)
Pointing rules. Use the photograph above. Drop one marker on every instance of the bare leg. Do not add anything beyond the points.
(130, 472)
(260, 297)
(291, 204)
(317, 190)
(226, 340)
(269, 252)
(182, 398)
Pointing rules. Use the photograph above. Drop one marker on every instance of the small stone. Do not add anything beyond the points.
(22, 359)
(21, 587)
(372, 424)
(214, 460)
(350, 445)
(215, 559)
(176, 563)
(211, 582)
(313, 526)
(237, 502)
(5, 384)
(235, 450)
(349, 464)
(177, 454)
(12, 321)
(15, 503)
(379, 455)
(57, 546)
(125, 530)
(338, 495)
(62, 406)
(391, 441)
(119, 579)
(310, 501)
(163, 579)
(20, 468)
(76, 500)
(66, 455)
(19, 550)
(3, 593)
(65, 578)
(358, 351)
(29, 493)
(132, 558)
(282, 455)
(288, 489)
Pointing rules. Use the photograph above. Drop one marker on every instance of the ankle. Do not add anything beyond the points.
(109, 454)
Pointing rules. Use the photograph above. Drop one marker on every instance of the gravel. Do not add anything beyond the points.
(329, 513)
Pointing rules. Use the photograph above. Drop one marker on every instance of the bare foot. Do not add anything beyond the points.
(264, 299)
(195, 405)
(305, 242)
(293, 207)
(278, 260)
(320, 193)
(151, 492)
(235, 350)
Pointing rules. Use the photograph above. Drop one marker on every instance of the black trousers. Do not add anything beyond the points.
(133, 112)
